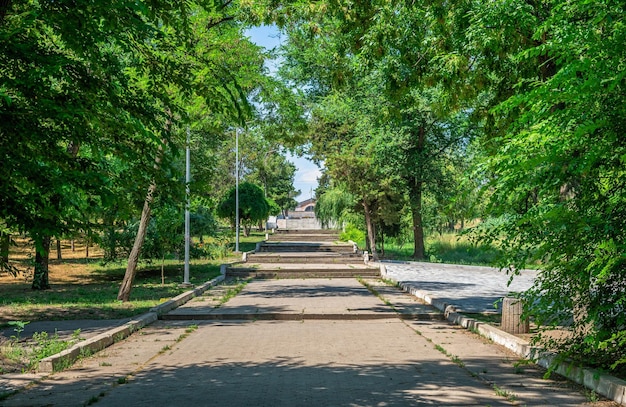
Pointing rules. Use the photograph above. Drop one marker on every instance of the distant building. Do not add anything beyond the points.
(306, 206)
(303, 217)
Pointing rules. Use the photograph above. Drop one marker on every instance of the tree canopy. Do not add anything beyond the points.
(253, 206)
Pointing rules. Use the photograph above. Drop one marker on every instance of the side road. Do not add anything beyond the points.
(313, 358)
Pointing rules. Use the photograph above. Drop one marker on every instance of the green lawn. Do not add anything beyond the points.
(445, 248)
(89, 289)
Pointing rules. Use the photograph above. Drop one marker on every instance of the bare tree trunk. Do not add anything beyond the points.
(87, 248)
(42, 252)
(415, 196)
(5, 243)
(73, 245)
(133, 258)
(370, 231)
(59, 255)
(416, 185)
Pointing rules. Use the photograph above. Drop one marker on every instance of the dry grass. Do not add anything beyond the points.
(73, 268)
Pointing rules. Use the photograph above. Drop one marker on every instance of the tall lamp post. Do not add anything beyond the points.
(237, 191)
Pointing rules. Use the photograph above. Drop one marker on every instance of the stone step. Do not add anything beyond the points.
(293, 270)
(279, 316)
(306, 247)
(303, 238)
(295, 274)
(305, 258)
(306, 232)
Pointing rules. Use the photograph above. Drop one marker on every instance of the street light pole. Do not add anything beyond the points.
(237, 191)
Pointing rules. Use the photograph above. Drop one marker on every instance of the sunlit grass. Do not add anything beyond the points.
(445, 248)
(88, 290)
(96, 298)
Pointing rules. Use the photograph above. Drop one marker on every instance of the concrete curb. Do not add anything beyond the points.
(67, 357)
(606, 385)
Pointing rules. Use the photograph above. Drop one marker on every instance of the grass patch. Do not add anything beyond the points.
(445, 248)
(248, 243)
(25, 356)
(231, 292)
(96, 297)
(504, 393)
(85, 288)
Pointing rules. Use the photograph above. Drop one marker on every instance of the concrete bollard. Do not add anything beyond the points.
(512, 321)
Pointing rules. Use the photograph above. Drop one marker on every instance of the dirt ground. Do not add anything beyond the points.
(71, 269)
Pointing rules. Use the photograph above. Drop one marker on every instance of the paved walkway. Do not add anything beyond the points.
(469, 288)
(370, 361)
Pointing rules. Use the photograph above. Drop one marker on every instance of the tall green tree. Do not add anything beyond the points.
(66, 102)
(253, 206)
(386, 48)
(558, 175)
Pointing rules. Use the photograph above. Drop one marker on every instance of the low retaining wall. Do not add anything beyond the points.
(310, 223)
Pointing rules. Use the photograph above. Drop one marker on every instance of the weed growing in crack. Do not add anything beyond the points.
(504, 393)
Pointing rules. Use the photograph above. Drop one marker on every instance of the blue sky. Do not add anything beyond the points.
(308, 172)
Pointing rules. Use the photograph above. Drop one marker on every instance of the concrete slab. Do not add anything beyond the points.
(468, 288)
(298, 299)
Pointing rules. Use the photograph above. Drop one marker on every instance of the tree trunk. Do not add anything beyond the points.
(5, 244)
(415, 196)
(133, 258)
(73, 245)
(451, 225)
(416, 185)
(370, 231)
(42, 252)
(59, 255)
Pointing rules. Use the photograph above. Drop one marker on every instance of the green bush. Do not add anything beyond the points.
(353, 233)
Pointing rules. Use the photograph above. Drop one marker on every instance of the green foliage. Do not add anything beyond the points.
(19, 327)
(91, 97)
(333, 205)
(46, 345)
(218, 247)
(557, 174)
(253, 206)
(353, 233)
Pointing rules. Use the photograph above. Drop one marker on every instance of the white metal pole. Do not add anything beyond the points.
(237, 191)
(187, 204)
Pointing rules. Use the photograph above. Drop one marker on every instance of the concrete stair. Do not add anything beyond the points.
(306, 247)
(324, 235)
(311, 254)
(298, 270)
(305, 258)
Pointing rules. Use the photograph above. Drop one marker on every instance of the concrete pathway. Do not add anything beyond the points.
(370, 361)
(469, 288)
